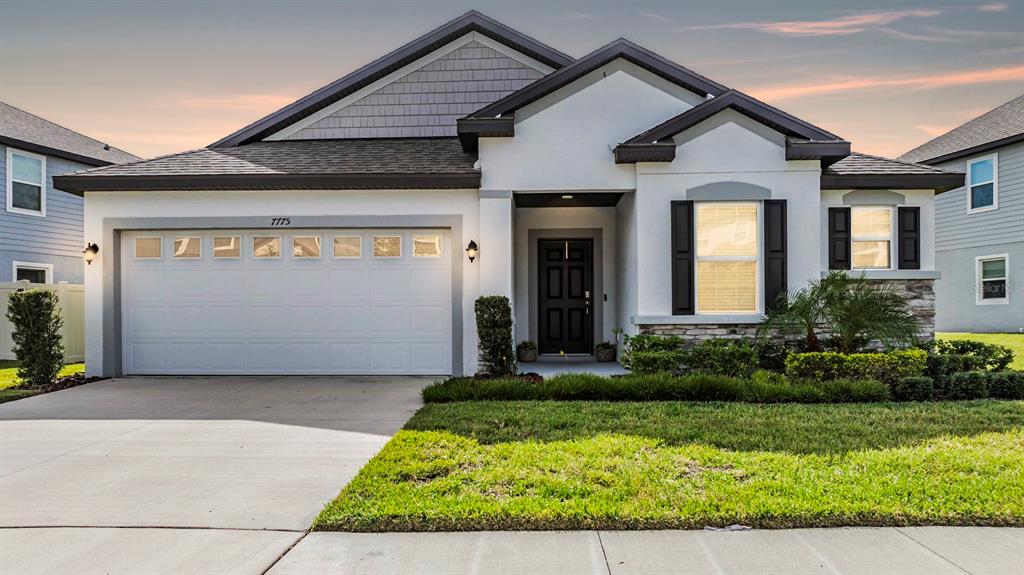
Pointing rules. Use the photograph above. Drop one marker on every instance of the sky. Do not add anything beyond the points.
(158, 77)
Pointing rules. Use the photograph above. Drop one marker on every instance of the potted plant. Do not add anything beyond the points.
(605, 352)
(526, 351)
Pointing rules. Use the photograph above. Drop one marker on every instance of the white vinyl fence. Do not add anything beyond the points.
(72, 304)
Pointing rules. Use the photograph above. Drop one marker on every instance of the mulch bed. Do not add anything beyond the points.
(66, 382)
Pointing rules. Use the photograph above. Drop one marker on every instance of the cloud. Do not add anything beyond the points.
(934, 131)
(654, 16)
(861, 83)
(842, 26)
(993, 7)
(240, 102)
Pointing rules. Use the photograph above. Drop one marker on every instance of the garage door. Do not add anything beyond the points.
(334, 301)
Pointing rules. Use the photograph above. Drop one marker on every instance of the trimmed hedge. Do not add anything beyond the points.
(647, 354)
(1006, 384)
(35, 318)
(968, 385)
(889, 367)
(633, 344)
(968, 355)
(914, 388)
(657, 361)
(494, 334)
(769, 388)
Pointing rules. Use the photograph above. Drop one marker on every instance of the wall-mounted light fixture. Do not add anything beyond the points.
(89, 253)
(472, 250)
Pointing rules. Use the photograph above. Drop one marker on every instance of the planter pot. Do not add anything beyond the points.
(605, 354)
(527, 355)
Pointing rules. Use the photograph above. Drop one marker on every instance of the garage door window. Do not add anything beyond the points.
(387, 246)
(187, 247)
(306, 247)
(147, 247)
(348, 246)
(426, 246)
(229, 247)
(266, 247)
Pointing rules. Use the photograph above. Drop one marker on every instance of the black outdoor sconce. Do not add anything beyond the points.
(472, 250)
(89, 253)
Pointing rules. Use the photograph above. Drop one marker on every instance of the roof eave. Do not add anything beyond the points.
(79, 184)
(471, 129)
(828, 152)
(634, 153)
(55, 152)
(973, 150)
(938, 182)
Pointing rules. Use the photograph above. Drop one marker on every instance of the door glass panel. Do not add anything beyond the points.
(348, 246)
(266, 247)
(387, 246)
(229, 247)
(306, 247)
(426, 246)
(187, 247)
(147, 247)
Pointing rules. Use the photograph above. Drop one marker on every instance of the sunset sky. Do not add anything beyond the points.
(160, 77)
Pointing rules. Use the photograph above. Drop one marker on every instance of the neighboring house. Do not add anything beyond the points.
(41, 226)
(617, 190)
(979, 227)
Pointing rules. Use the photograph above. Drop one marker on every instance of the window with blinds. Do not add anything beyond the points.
(727, 257)
(872, 237)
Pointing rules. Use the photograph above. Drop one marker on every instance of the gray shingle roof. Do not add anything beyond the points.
(1006, 121)
(18, 127)
(859, 164)
(371, 156)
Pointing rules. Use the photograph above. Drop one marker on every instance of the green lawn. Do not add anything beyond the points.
(590, 465)
(9, 379)
(1014, 341)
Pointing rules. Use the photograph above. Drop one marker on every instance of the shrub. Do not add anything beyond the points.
(968, 385)
(967, 355)
(914, 388)
(887, 367)
(656, 361)
(771, 355)
(36, 322)
(1006, 384)
(645, 342)
(494, 332)
(722, 357)
(854, 391)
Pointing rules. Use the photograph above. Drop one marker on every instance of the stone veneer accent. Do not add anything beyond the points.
(920, 295)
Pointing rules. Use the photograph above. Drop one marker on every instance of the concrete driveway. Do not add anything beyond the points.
(213, 475)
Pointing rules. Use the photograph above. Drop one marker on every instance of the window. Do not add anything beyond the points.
(33, 272)
(229, 247)
(727, 256)
(872, 237)
(348, 246)
(187, 247)
(26, 183)
(266, 247)
(387, 246)
(982, 184)
(147, 247)
(992, 273)
(306, 247)
(426, 246)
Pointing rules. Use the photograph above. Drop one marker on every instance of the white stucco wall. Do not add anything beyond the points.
(727, 148)
(564, 141)
(626, 261)
(925, 199)
(527, 219)
(103, 205)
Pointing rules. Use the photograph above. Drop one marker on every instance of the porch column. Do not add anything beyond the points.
(495, 241)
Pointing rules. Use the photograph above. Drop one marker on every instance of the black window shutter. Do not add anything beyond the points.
(908, 234)
(839, 241)
(683, 258)
(775, 281)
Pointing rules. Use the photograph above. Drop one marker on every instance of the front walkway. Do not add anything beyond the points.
(868, 551)
(183, 475)
(553, 365)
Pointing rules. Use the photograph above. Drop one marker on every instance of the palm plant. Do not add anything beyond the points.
(851, 308)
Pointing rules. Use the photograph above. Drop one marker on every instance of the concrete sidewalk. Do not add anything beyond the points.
(874, 551)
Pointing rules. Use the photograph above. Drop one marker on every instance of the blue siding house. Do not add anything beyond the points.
(41, 226)
(979, 228)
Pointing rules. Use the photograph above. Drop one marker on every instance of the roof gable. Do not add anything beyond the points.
(999, 127)
(469, 22)
(803, 140)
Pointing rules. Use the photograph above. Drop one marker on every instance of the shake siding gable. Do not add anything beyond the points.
(427, 102)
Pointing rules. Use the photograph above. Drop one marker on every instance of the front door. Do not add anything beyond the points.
(565, 322)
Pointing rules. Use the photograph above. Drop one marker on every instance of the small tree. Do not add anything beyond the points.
(494, 332)
(35, 317)
(798, 312)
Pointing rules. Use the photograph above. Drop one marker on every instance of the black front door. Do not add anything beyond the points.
(565, 322)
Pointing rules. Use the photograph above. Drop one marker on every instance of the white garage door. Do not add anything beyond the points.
(298, 302)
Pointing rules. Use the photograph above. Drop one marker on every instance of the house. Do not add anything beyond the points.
(41, 226)
(351, 231)
(979, 227)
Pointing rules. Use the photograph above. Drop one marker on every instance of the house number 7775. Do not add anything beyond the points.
(281, 222)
